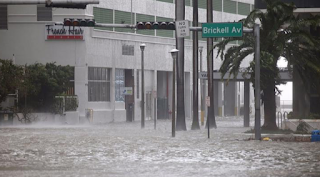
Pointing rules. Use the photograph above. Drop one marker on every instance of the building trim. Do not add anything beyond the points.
(19, 15)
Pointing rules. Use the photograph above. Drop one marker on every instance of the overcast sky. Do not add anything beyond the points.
(286, 93)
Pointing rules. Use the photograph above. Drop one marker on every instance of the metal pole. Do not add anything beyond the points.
(181, 120)
(174, 98)
(202, 89)
(246, 118)
(210, 70)
(257, 127)
(155, 113)
(174, 53)
(195, 85)
(142, 46)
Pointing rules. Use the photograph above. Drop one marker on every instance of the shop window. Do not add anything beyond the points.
(119, 82)
(98, 84)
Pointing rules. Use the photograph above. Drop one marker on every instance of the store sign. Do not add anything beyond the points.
(59, 32)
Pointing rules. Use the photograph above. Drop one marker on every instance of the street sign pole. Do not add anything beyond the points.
(257, 127)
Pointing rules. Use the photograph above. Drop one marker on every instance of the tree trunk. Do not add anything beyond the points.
(269, 107)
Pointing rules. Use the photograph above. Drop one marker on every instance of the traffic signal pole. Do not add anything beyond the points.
(181, 118)
(107, 25)
(211, 120)
(195, 120)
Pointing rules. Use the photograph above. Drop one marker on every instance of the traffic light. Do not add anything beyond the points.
(79, 22)
(156, 25)
(74, 4)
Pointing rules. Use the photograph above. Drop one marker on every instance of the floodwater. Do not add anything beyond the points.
(124, 149)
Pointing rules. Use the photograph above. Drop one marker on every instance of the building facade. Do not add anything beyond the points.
(107, 61)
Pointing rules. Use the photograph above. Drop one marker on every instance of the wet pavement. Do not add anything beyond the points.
(123, 149)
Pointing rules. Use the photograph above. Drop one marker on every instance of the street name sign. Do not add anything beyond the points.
(182, 28)
(222, 30)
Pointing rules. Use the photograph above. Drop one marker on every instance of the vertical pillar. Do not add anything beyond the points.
(181, 120)
(220, 98)
(246, 118)
(257, 120)
(154, 98)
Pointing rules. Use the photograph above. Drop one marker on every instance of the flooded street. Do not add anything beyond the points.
(123, 149)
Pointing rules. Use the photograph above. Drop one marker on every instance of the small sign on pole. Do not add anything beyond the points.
(182, 28)
(208, 101)
(203, 75)
(154, 93)
(126, 90)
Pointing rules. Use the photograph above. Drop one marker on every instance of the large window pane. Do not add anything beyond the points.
(3, 17)
(230, 6)
(98, 84)
(120, 79)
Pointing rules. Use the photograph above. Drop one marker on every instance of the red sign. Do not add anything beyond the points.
(59, 32)
(64, 37)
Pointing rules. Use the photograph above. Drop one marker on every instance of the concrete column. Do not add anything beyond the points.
(246, 118)
(188, 95)
(237, 99)
(154, 97)
(220, 99)
(230, 100)
(112, 92)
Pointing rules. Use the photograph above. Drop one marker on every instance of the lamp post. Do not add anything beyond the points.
(142, 46)
(174, 53)
(202, 89)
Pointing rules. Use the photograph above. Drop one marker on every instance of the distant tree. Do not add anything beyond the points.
(282, 34)
(42, 83)
(10, 78)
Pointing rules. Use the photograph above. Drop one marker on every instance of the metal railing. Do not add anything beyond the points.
(281, 116)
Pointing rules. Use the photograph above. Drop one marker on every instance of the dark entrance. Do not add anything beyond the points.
(129, 99)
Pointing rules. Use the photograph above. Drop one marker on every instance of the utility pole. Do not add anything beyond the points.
(174, 57)
(257, 126)
(211, 120)
(195, 120)
(181, 120)
(203, 89)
